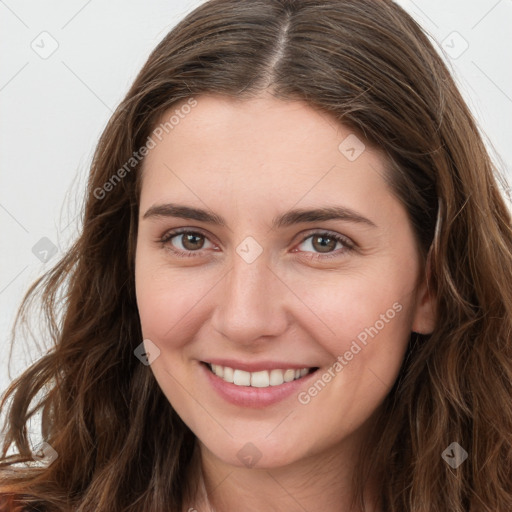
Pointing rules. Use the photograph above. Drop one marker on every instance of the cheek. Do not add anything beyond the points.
(168, 302)
(334, 310)
(371, 325)
(366, 322)
(375, 305)
(169, 307)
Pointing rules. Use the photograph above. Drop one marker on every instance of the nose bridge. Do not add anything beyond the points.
(250, 302)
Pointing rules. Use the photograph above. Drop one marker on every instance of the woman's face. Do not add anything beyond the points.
(268, 243)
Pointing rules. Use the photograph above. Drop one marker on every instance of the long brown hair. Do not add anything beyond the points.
(120, 445)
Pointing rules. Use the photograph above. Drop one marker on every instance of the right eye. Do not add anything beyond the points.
(185, 242)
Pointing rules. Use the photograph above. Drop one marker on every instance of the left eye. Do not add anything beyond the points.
(323, 243)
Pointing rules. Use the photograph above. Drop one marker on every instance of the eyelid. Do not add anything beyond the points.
(179, 231)
(165, 241)
(348, 244)
(333, 234)
(171, 233)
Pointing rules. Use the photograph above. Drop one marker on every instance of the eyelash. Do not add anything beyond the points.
(349, 246)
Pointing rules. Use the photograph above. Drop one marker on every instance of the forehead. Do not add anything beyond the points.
(257, 151)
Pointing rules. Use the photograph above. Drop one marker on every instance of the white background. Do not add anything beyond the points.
(53, 110)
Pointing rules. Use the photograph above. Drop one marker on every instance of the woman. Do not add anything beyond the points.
(292, 288)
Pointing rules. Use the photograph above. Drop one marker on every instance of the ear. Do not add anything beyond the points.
(425, 315)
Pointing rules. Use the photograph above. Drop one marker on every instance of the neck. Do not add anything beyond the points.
(321, 482)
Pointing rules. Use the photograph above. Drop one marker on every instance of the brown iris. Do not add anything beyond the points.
(192, 241)
(324, 243)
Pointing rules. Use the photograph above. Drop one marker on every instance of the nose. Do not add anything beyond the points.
(251, 303)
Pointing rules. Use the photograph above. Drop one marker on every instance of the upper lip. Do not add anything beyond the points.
(256, 366)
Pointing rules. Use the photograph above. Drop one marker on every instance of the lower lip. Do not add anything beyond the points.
(248, 396)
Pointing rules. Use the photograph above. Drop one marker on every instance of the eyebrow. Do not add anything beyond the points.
(286, 219)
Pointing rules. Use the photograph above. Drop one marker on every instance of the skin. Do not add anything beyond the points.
(250, 161)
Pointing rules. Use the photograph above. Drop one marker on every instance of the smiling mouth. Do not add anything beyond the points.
(260, 379)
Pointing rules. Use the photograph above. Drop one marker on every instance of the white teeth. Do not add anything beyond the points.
(241, 378)
(289, 375)
(276, 377)
(261, 379)
(228, 374)
(218, 370)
